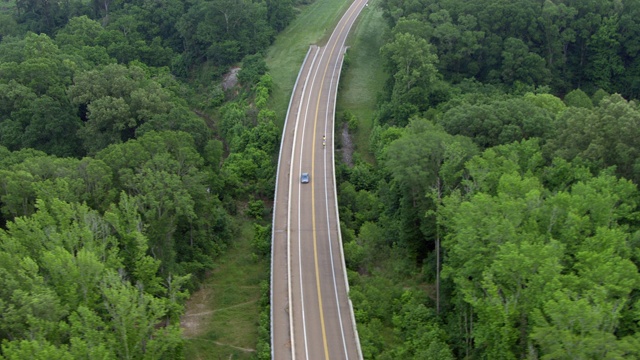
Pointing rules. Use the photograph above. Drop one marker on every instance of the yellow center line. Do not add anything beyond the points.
(313, 198)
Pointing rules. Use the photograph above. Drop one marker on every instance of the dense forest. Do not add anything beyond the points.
(499, 217)
(123, 164)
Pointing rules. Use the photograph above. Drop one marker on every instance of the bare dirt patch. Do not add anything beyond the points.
(194, 326)
(347, 146)
(199, 314)
(220, 319)
(230, 79)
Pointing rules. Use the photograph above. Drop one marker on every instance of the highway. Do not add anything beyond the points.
(311, 314)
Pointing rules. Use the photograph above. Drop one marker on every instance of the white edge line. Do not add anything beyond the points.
(355, 329)
(295, 139)
(333, 270)
(273, 221)
(338, 64)
(346, 281)
(304, 126)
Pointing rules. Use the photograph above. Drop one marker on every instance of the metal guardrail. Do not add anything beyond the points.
(282, 144)
(275, 196)
(335, 189)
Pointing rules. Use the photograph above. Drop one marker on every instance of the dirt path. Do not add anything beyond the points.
(220, 318)
(229, 345)
(216, 310)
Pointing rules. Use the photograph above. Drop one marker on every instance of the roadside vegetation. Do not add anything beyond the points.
(497, 216)
(362, 79)
(128, 176)
(123, 126)
(313, 25)
(221, 317)
(490, 210)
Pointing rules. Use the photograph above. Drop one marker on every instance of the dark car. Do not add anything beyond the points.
(304, 178)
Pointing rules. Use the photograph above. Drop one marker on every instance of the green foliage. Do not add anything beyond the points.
(37, 175)
(354, 255)
(122, 101)
(35, 113)
(164, 172)
(519, 64)
(501, 121)
(126, 226)
(224, 31)
(81, 37)
(414, 162)
(37, 350)
(595, 136)
(578, 98)
(411, 61)
(539, 245)
(549, 102)
(529, 250)
(213, 154)
(134, 316)
(537, 232)
(263, 348)
(262, 90)
(419, 330)
(598, 96)
(249, 169)
(253, 67)
(604, 48)
(8, 25)
(280, 13)
(566, 45)
(513, 247)
(43, 16)
(351, 121)
(262, 240)
(65, 283)
(417, 333)
(255, 209)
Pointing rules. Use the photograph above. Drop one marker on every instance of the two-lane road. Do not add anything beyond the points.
(311, 314)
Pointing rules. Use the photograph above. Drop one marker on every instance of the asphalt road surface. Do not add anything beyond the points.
(311, 314)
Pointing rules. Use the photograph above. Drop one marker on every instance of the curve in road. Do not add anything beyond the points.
(311, 314)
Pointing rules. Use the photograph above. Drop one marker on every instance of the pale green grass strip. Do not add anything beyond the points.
(226, 308)
(364, 79)
(313, 25)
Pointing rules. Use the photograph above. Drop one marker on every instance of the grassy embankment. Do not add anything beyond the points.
(364, 78)
(221, 321)
(313, 25)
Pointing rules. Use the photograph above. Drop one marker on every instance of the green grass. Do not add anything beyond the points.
(7, 6)
(227, 306)
(364, 79)
(313, 25)
(229, 299)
